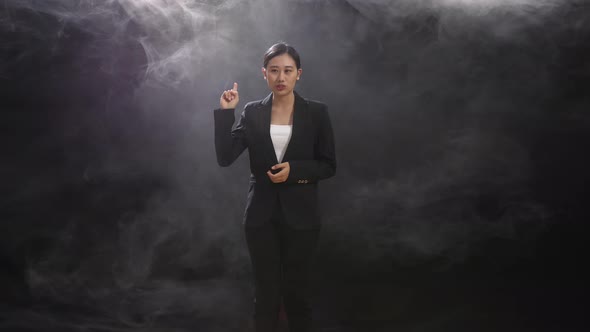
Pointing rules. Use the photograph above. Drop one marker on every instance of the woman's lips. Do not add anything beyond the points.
(281, 87)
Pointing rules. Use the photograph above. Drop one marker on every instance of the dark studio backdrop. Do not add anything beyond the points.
(462, 133)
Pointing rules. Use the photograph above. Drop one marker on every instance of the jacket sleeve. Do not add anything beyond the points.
(229, 143)
(323, 165)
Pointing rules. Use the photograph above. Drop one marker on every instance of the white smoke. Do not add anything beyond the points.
(185, 40)
(391, 13)
(182, 38)
(178, 36)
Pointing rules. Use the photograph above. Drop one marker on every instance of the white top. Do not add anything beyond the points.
(280, 135)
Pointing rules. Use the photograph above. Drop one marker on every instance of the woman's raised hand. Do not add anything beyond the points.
(230, 98)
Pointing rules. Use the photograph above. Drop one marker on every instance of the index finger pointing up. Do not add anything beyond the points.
(235, 86)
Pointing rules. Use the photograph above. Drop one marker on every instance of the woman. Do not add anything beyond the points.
(291, 148)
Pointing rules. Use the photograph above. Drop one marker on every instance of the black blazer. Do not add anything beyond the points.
(310, 154)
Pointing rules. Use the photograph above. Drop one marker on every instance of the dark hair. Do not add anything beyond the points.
(281, 48)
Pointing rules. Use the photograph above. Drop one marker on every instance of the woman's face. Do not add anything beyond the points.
(281, 74)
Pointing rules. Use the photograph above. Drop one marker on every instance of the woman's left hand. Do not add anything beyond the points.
(282, 175)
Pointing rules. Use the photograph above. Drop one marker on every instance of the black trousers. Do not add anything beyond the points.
(281, 258)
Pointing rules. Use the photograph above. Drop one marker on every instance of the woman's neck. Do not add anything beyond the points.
(282, 102)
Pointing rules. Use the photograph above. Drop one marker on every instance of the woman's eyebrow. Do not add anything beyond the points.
(275, 66)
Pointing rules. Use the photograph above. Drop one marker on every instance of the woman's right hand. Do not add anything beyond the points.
(230, 98)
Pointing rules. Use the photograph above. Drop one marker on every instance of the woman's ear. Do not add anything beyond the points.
(299, 73)
(264, 72)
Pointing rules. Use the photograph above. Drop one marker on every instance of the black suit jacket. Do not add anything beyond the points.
(310, 154)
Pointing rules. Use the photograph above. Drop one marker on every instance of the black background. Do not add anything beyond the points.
(462, 134)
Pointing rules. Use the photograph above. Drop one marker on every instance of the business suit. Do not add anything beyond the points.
(310, 154)
(281, 220)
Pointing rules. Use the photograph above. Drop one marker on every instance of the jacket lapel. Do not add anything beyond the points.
(299, 113)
